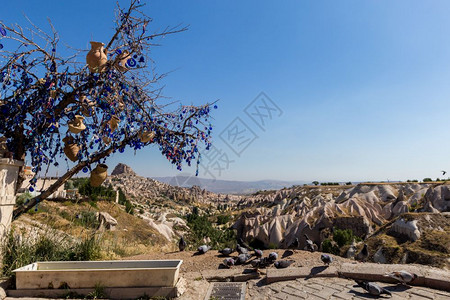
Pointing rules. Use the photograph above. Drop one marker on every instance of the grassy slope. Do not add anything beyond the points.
(132, 235)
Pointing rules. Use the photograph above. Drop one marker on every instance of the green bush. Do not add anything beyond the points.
(223, 219)
(129, 208)
(95, 193)
(202, 227)
(329, 247)
(427, 179)
(343, 236)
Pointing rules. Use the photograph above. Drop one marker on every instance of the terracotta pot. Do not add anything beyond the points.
(122, 59)
(106, 140)
(96, 57)
(113, 123)
(146, 136)
(71, 149)
(76, 125)
(98, 175)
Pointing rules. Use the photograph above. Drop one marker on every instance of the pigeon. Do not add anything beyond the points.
(287, 253)
(182, 244)
(272, 257)
(203, 249)
(241, 250)
(256, 263)
(281, 264)
(351, 252)
(242, 258)
(326, 259)
(363, 254)
(228, 262)
(258, 253)
(260, 263)
(373, 288)
(310, 246)
(295, 244)
(403, 276)
(226, 251)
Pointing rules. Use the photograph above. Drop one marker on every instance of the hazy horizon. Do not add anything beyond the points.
(352, 91)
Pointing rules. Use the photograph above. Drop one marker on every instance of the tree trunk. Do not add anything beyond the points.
(32, 202)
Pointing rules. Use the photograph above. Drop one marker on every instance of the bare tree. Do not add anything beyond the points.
(55, 107)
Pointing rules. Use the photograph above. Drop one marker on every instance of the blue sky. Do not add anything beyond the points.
(363, 86)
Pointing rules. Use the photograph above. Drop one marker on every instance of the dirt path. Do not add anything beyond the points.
(212, 259)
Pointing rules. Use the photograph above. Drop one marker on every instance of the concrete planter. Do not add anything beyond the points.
(108, 274)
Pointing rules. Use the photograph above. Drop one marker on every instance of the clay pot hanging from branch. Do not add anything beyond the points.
(146, 136)
(98, 175)
(106, 140)
(71, 149)
(96, 57)
(76, 125)
(113, 123)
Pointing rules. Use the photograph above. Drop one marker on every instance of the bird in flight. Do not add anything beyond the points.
(443, 172)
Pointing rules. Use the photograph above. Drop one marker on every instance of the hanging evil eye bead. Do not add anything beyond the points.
(2, 31)
(85, 170)
(131, 62)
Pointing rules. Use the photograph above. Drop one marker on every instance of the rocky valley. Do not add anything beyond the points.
(400, 222)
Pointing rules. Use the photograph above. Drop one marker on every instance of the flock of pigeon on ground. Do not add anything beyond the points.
(259, 261)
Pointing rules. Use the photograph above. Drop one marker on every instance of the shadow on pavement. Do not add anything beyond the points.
(315, 271)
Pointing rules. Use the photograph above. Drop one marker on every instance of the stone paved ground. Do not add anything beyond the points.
(332, 288)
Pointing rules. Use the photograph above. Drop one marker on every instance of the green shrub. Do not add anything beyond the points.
(95, 193)
(343, 237)
(202, 227)
(223, 219)
(329, 247)
(427, 179)
(122, 197)
(129, 208)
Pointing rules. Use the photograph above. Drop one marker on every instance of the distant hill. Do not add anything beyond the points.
(228, 186)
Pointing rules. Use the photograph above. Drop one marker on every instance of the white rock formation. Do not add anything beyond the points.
(407, 228)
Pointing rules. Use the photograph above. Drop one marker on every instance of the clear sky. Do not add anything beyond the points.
(361, 88)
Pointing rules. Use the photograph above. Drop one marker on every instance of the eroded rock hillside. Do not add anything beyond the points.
(396, 220)
(160, 204)
(277, 218)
